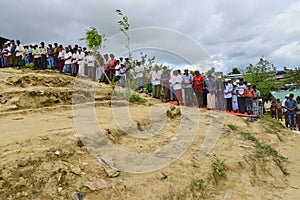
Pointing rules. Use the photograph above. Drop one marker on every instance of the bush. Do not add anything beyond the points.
(29, 65)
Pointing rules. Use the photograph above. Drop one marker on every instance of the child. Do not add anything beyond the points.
(298, 112)
(279, 109)
(273, 109)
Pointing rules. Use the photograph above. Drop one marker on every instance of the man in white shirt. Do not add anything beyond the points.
(284, 111)
(228, 94)
(241, 98)
(139, 74)
(80, 61)
(156, 81)
(187, 80)
(68, 61)
(176, 81)
(43, 50)
(19, 54)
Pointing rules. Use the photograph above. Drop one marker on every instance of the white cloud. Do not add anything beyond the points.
(238, 31)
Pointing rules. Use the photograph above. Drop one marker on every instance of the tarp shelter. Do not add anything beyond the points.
(2, 41)
(281, 94)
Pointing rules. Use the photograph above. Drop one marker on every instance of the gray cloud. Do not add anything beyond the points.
(234, 33)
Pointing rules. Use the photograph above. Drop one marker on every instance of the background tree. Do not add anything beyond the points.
(235, 71)
(262, 75)
(124, 28)
(93, 39)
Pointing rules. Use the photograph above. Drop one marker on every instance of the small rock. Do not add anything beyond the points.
(77, 196)
(75, 169)
(59, 189)
(57, 152)
(4, 101)
(62, 80)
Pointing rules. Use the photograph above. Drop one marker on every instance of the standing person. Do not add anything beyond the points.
(298, 112)
(106, 69)
(187, 84)
(273, 109)
(291, 106)
(99, 66)
(156, 81)
(1, 56)
(198, 88)
(205, 92)
(139, 74)
(4, 54)
(279, 109)
(36, 56)
(235, 105)
(171, 87)
(112, 65)
(220, 94)
(61, 58)
(13, 52)
(176, 81)
(123, 70)
(91, 65)
(55, 55)
(26, 53)
(43, 56)
(80, 61)
(117, 76)
(241, 98)
(249, 94)
(19, 54)
(211, 87)
(228, 94)
(256, 109)
(74, 63)
(149, 81)
(165, 79)
(68, 61)
(50, 56)
(285, 111)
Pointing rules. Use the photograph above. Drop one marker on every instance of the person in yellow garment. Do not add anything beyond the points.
(36, 56)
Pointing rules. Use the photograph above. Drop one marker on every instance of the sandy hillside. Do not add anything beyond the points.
(48, 147)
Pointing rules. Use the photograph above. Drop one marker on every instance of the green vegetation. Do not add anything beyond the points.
(232, 127)
(272, 126)
(262, 75)
(93, 39)
(135, 98)
(266, 150)
(29, 65)
(124, 28)
(197, 186)
(219, 171)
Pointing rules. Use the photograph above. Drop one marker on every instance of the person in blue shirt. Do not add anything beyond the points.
(291, 106)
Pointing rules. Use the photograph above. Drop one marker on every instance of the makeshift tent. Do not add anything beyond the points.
(281, 94)
(2, 41)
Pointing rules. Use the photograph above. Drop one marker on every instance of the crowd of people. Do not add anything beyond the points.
(191, 89)
(289, 108)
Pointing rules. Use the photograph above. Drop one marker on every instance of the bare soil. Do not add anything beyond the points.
(43, 157)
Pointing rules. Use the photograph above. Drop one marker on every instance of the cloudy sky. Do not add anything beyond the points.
(232, 33)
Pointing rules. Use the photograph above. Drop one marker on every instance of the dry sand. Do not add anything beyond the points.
(41, 156)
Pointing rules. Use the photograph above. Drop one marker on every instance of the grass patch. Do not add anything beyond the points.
(196, 187)
(271, 125)
(232, 127)
(219, 171)
(266, 150)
